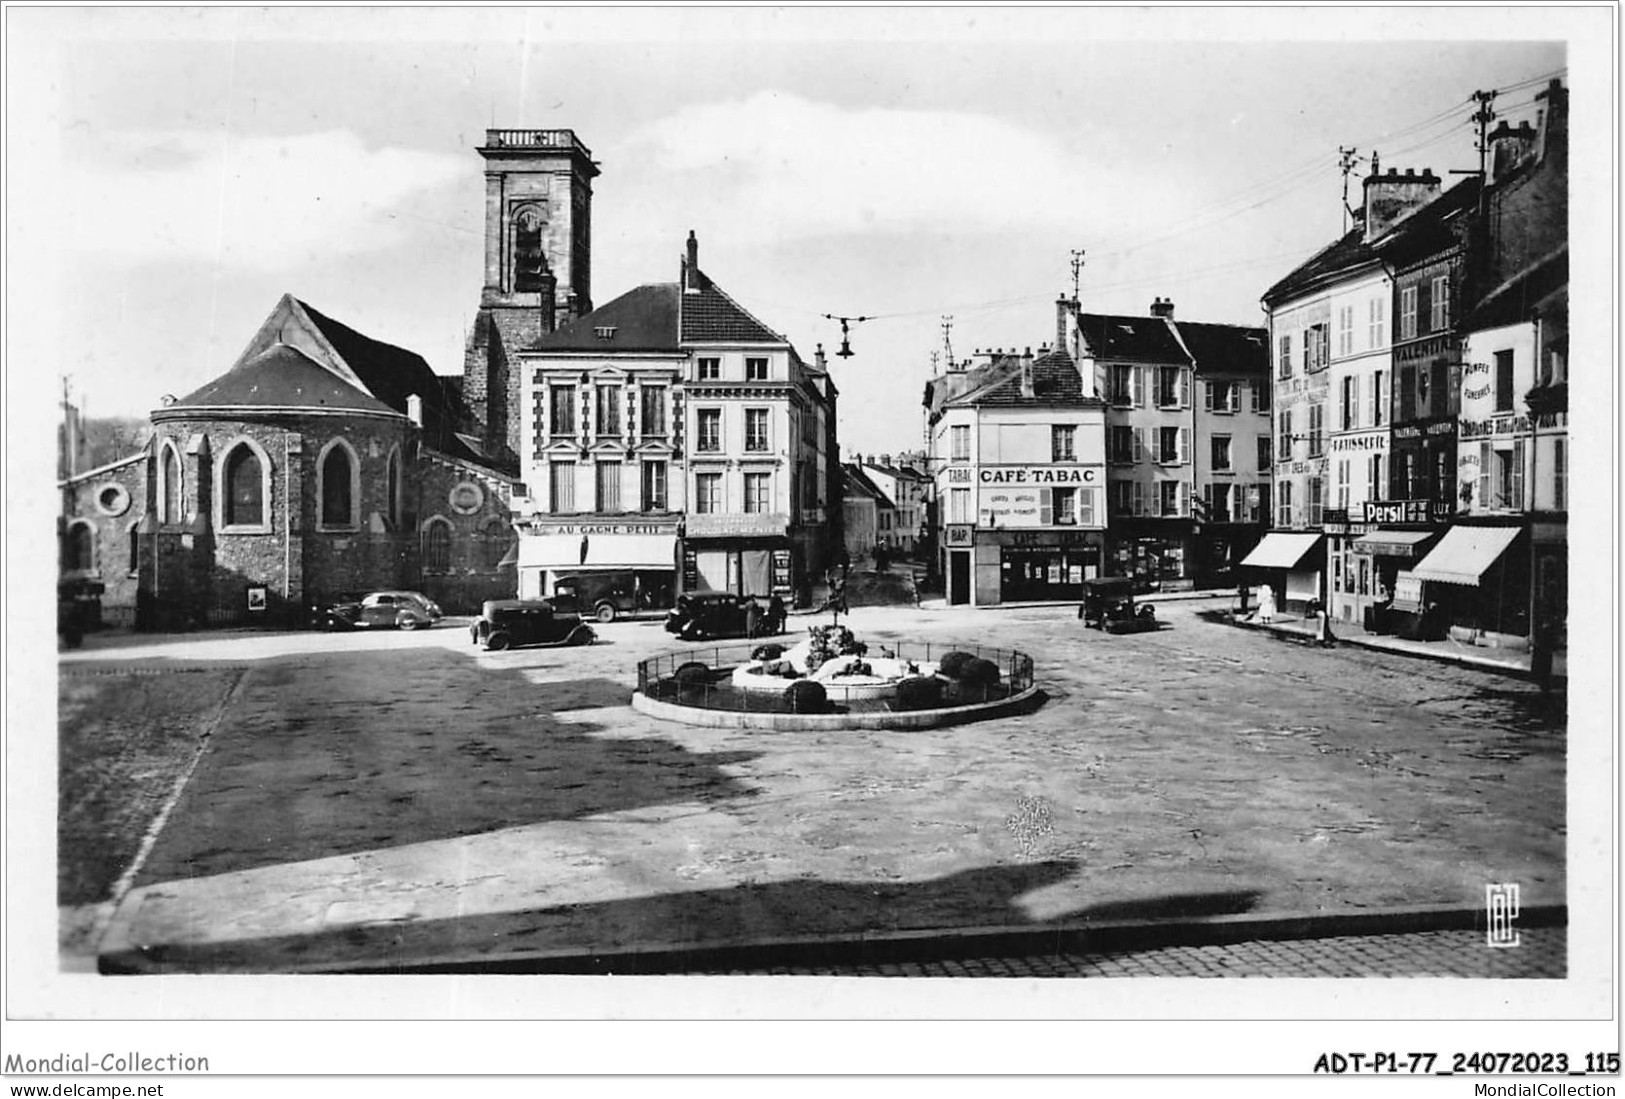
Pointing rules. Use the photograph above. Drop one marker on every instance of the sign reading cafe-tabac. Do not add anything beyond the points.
(1040, 475)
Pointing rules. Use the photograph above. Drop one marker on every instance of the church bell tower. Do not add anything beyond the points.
(538, 266)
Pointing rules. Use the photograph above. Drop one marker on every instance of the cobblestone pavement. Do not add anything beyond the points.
(1542, 952)
(406, 797)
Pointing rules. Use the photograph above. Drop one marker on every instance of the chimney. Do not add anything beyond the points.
(1062, 308)
(414, 409)
(1027, 375)
(1553, 128)
(1164, 308)
(691, 265)
(1391, 196)
(1508, 147)
(818, 358)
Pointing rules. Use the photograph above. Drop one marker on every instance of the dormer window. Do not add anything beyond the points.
(606, 332)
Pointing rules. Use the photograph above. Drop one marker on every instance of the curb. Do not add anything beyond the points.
(801, 723)
(1454, 659)
(1096, 937)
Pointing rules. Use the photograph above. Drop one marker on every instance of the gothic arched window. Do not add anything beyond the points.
(337, 471)
(437, 546)
(529, 260)
(392, 502)
(243, 503)
(170, 490)
(495, 540)
(79, 548)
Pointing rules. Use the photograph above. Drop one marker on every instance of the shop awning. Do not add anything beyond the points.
(1464, 554)
(1393, 543)
(598, 551)
(1280, 551)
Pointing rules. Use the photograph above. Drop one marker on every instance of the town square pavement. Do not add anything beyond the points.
(404, 799)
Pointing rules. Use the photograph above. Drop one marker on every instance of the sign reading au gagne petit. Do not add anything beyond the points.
(605, 528)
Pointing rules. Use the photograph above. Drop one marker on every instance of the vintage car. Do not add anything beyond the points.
(722, 614)
(510, 623)
(609, 594)
(403, 610)
(1108, 604)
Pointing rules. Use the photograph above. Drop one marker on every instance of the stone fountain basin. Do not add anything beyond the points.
(838, 686)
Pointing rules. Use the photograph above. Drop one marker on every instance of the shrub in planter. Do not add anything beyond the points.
(767, 652)
(953, 665)
(692, 674)
(979, 673)
(805, 696)
(919, 693)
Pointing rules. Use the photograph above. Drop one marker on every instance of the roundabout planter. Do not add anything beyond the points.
(830, 681)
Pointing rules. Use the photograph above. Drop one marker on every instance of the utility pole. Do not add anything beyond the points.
(1347, 158)
(947, 339)
(1483, 116)
(1077, 266)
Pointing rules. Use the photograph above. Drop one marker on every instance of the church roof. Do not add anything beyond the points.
(280, 377)
(392, 374)
(642, 319)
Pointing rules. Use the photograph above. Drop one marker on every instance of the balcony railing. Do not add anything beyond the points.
(535, 139)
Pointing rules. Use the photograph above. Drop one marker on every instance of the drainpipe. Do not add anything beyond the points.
(1534, 499)
(287, 525)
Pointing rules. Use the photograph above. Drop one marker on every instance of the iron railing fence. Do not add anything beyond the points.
(658, 676)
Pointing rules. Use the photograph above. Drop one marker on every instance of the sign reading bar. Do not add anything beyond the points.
(959, 534)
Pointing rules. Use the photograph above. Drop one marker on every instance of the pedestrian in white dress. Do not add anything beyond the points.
(1266, 604)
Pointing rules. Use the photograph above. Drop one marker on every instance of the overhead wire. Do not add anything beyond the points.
(1275, 187)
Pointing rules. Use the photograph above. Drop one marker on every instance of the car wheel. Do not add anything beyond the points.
(498, 641)
(606, 612)
(408, 623)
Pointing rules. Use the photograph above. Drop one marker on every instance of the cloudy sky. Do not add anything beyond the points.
(173, 171)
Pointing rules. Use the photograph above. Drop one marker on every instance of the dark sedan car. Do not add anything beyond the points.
(510, 623)
(389, 610)
(723, 614)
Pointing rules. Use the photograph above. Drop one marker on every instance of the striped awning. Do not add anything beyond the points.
(1464, 554)
(1393, 543)
(1280, 551)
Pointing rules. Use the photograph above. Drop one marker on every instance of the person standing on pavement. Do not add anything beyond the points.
(1266, 604)
(1323, 625)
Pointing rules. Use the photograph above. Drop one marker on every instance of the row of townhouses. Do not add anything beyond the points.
(1421, 401)
(669, 440)
(1393, 442)
(1135, 446)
